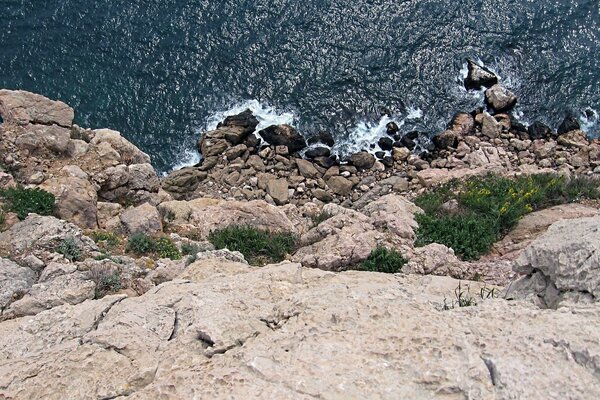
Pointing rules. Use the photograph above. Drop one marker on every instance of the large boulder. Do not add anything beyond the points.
(242, 124)
(570, 123)
(20, 107)
(284, 135)
(362, 160)
(478, 76)
(141, 219)
(183, 181)
(14, 281)
(128, 152)
(539, 130)
(500, 98)
(278, 190)
(386, 336)
(562, 264)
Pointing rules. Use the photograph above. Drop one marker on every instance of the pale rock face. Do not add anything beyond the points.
(565, 260)
(490, 127)
(280, 331)
(40, 235)
(206, 215)
(278, 190)
(500, 98)
(531, 226)
(28, 108)
(141, 219)
(72, 288)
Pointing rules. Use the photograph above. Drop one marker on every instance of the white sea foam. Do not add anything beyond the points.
(367, 133)
(590, 122)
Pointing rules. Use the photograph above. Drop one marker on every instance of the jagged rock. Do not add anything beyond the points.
(143, 177)
(23, 108)
(570, 123)
(184, 181)
(38, 235)
(14, 281)
(362, 160)
(278, 190)
(54, 138)
(141, 219)
(500, 98)
(128, 152)
(236, 151)
(244, 120)
(577, 139)
(340, 185)
(284, 135)
(446, 140)
(490, 127)
(307, 169)
(539, 130)
(213, 143)
(437, 259)
(563, 263)
(393, 214)
(478, 76)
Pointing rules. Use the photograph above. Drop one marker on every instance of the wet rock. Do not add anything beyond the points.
(446, 140)
(283, 135)
(23, 108)
(245, 120)
(322, 137)
(362, 160)
(392, 128)
(478, 76)
(386, 143)
(500, 98)
(570, 123)
(539, 130)
(317, 152)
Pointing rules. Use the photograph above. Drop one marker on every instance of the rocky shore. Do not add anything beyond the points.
(310, 327)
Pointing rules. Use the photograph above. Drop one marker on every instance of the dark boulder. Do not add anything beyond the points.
(518, 129)
(569, 124)
(317, 152)
(322, 137)
(446, 140)
(380, 154)
(245, 120)
(479, 76)
(387, 161)
(539, 130)
(386, 143)
(408, 140)
(283, 135)
(252, 142)
(326, 162)
(392, 128)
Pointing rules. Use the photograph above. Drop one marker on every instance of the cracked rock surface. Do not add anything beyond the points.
(284, 331)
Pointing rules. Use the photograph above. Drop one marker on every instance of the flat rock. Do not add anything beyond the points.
(141, 219)
(24, 108)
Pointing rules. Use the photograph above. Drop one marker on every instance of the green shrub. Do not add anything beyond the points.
(108, 239)
(69, 249)
(321, 217)
(383, 260)
(189, 249)
(259, 247)
(140, 244)
(489, 206)
(23, 201)
(165, 248)
(2, 217)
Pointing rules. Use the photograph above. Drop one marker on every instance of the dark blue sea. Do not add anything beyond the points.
(163, 71)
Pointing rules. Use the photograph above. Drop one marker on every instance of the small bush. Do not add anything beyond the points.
(2, 217)
(108, 239)
(106, 279)
(259, 247)
(23, 201)
(383, 260)
(165, 248)
(321, 217)
(189, 249)
(69, 249)
(140, 244)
